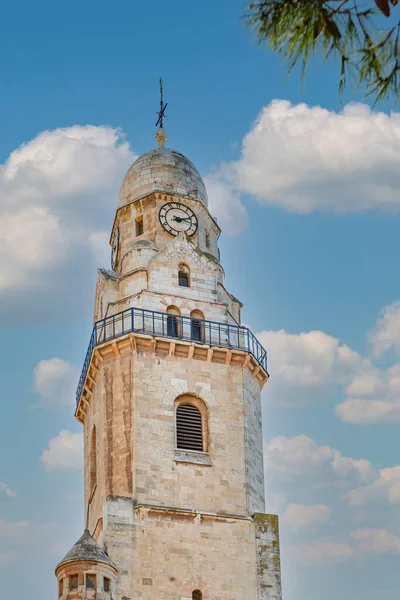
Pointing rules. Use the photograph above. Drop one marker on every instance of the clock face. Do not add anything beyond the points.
(114, 248)
(177, 218)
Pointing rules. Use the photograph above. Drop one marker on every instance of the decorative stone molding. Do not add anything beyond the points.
(196, 458)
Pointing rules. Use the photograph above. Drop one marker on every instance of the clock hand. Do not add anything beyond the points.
(180, 219)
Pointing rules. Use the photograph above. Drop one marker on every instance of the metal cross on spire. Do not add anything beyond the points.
(161, 112)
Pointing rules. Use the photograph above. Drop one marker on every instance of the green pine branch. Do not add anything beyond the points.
(348, 30)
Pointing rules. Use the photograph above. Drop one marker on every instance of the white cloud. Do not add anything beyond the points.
(377, 541)
(310, 356)
(384, 407)
(373, 395)
(23, 542)
(300, 517)
(99, 242)
(344, 466)
(290, 458)
(386, 333)
(323, 551)
(65, 451)
(65, 163)
(304, 158)
(58, 192)
(307, 367)
(6, 490)
(386, 487)
(226, 206)
(365, 384)
(357, 410)
(31, 241)
(275, 502)
(55, 382)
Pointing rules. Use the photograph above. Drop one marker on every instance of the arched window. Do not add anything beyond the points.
(173, 322)
(197, 595)
(197, 326)
(184, 275)
(93, 460)
(189, 428)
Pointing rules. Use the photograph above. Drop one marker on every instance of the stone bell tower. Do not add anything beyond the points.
(169, 399)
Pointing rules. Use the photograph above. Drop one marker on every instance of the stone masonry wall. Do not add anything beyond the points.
(133, 410)
(268, 557)
(166, 556)
(254, 444)
(161, 480)
(95, 418)
(111, 412)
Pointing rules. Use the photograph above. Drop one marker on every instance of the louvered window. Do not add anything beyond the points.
(189, 431)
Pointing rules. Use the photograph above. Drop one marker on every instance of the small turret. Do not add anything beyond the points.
(86, 572)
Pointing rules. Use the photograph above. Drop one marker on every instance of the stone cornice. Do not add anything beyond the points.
(139, 342)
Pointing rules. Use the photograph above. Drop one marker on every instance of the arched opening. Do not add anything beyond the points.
(107, 584)
(173, 322)
(139, 225)
(93, 460)
(191, 424)
(197, 326)
(197, 595)
(184, 275)
(90, 581)
(73, 582)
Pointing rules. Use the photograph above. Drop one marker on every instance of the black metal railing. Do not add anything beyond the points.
(171, 326)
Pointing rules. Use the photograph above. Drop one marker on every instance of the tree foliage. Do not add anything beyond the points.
(354, 31)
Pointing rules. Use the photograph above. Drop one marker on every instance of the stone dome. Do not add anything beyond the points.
(162, 170)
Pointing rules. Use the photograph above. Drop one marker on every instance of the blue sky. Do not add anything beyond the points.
(308, 200)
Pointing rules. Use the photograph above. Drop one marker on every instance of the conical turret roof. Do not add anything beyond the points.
(86, 549)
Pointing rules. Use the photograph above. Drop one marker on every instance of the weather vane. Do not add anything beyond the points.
(161, 112)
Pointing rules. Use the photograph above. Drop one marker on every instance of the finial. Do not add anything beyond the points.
(161, 135)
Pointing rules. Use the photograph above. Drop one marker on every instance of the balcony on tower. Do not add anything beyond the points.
(169, 333)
